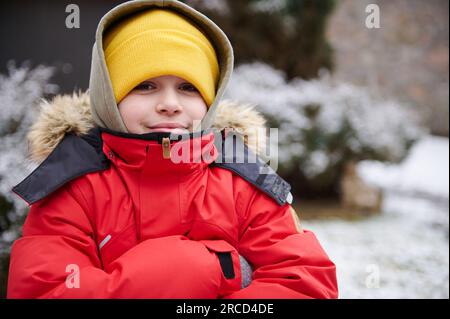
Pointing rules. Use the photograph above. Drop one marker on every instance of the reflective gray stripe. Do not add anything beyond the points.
(104, 241)
(289, 198)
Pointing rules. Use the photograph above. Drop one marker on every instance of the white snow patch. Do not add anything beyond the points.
(409, 255)
(404, 252)
(424, 171)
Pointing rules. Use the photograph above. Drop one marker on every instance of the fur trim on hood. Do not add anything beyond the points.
(72, 114)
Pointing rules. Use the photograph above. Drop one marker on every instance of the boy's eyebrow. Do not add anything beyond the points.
(181, 81)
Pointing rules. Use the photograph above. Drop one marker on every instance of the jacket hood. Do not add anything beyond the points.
(102, 102)
(72, 114)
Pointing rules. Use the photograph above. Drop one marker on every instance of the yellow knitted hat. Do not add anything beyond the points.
(159, 42)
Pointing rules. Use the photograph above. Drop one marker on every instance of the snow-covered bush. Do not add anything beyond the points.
(20, 93)
(215, 5)
(323, 124)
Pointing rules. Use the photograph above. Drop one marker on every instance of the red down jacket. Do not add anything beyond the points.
(121, 221)
(149, 228)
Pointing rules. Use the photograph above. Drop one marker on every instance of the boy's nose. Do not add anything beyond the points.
(169, 104)
(168, 108)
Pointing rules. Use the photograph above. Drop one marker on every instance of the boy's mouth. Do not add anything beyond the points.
(170, 130)
(168, 127)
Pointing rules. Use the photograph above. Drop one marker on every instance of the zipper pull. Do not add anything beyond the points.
(166, 147)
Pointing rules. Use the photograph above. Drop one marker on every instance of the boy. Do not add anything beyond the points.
(113, 215)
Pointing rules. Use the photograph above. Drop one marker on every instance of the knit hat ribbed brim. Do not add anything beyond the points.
(159, 42)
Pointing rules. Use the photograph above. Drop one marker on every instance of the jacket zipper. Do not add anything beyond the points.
(166, 147)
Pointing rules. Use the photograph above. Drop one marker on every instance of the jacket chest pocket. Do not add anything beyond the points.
(114, 245)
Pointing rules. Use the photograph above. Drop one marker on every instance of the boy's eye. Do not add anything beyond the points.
(189, 87)
(144, 86)
(148, 86)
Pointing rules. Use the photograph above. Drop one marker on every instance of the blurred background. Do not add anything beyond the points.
(362, 111)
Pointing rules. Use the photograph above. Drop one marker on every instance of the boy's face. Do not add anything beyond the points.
(162, 104)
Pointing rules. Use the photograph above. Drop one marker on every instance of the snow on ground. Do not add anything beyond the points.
(403, 252)
(424, 171)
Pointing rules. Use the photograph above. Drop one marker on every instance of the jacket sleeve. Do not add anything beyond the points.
(288, 262)
(57, 257)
